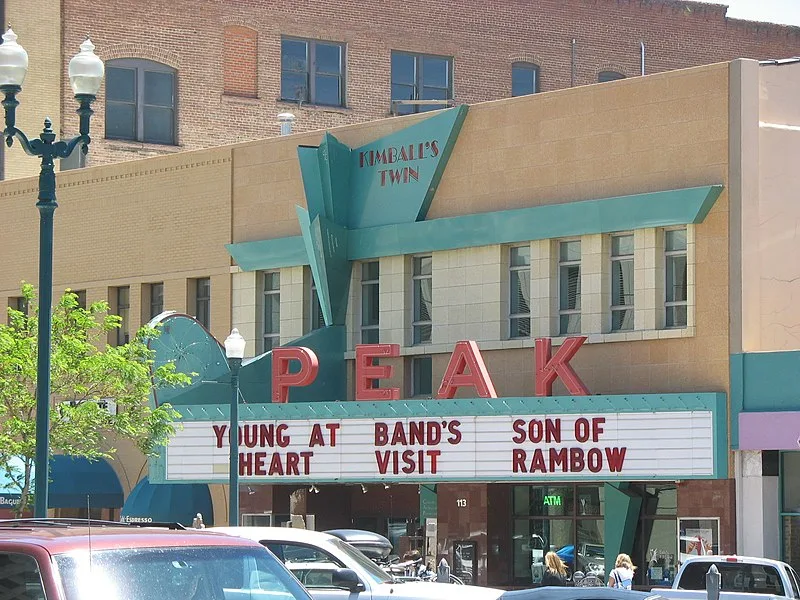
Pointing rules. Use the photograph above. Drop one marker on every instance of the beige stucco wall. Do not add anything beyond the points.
(770, 214)
(38, 25)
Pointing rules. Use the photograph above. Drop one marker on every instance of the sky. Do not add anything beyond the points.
(786, 12)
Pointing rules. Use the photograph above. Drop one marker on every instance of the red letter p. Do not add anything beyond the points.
(282, 379)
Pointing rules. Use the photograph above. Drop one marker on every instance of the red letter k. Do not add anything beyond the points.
(548, 369)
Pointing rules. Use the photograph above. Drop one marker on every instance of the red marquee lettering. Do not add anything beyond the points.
(582, 429)
(292, 460)
(245, 463)
(518, 461)
(275, 465)
(332, 429)
(368, 371)
(466, 355)
(316, 436)
(219, 433)
(558, 458)
(549, 369)
(576, 462)
(282, 379)
(597, 427)
(615, 458)
(455, 432)
(381, 434)
(260, 457)
(537, 462)
(399, 435)
(594, 460)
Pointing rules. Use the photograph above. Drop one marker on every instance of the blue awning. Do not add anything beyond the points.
(72, 480)
(169, 502)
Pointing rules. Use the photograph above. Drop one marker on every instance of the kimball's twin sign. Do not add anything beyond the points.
(466, 368)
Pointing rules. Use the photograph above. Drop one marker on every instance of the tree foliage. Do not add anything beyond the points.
(85, 381)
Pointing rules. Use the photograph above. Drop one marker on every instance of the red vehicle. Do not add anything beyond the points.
(51, 559)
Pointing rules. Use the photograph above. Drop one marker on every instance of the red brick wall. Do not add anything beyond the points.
(711, 498)
(484, 39)
(240, 70)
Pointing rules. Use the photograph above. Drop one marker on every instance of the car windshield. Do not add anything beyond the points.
(373, 571)
(177, 573)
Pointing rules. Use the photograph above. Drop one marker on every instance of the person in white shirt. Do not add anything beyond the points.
(622, 575)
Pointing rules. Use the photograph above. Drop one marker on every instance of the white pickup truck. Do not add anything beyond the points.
(332, 569)
(741, 578)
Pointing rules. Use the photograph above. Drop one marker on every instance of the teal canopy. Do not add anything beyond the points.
(169, 502)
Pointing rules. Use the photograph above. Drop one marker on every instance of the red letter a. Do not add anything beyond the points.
(548, 369)
(466, 355)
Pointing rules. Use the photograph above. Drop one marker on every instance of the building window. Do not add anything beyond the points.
(422, 376)
(370, 303)
(271, 312)
(622, 282)
(312, 72)
(20, 303)
(604, 76)
(316, 317)
(140, 101)
(417, 77)
(202, 301)
(569, 287)
(81, 298)
(675, 285)
(524, 79)
(156, 299)
(240, 71)
(422, 324)
(520, 292)
(123, 300)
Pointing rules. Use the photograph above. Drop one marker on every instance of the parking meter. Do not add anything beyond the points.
(712, 583)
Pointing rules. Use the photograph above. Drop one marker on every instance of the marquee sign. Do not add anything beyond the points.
(625, 445)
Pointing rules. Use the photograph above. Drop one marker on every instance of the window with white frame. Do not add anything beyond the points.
(316, 319)
(675, 285)
(622, 282)
(370, 304)
(422, 278)
(569, 287)
(421, 376)
(271, 311)
(519, 276)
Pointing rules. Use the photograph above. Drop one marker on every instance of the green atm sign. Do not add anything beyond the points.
(552, 501)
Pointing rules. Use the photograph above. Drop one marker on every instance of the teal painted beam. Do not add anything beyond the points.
(655, 209)
(621, 518)
(269, 254)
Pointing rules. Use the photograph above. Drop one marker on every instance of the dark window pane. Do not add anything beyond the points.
(431, 93)
(403, 70)
(370, 336)
(422, 376)
(327, 90)
(159, 89)
(676, 316)
(609, 76)
(294, 55)
(328, 58)
(523, 80)
(435, 71)
(294, 87)
(120, 84)
(120, 121)
(370, 271)
(158, 125)
(570, 324)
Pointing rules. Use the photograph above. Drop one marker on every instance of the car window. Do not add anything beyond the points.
(177, 573)
(373, 571)
(734, 577)
(300, 553)
(794, 581)
(20, 577)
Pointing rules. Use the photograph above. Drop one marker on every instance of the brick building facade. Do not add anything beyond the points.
(226, 58)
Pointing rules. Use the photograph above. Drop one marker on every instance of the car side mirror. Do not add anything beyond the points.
(347, 579)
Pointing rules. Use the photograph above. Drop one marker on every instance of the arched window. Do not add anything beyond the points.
(524, 78)
(140, 101)
(604, 76)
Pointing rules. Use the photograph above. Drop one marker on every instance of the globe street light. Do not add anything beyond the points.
(85, 75)
(234, 351)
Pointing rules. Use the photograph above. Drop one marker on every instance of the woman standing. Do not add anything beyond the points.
(622, 575)
(555, 572)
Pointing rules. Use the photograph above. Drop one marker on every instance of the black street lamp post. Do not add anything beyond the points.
(85, 75)
(234, 351)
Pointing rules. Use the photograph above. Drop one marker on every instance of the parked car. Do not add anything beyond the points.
(68, 559)
(578, 593)
(373, 545)
(741, 577)
(332, 569)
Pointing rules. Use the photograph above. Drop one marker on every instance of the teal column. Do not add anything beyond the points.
(621, 518)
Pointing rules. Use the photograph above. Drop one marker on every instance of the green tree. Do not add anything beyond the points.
(83, 380)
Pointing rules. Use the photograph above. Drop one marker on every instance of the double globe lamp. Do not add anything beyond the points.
(85, 76)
